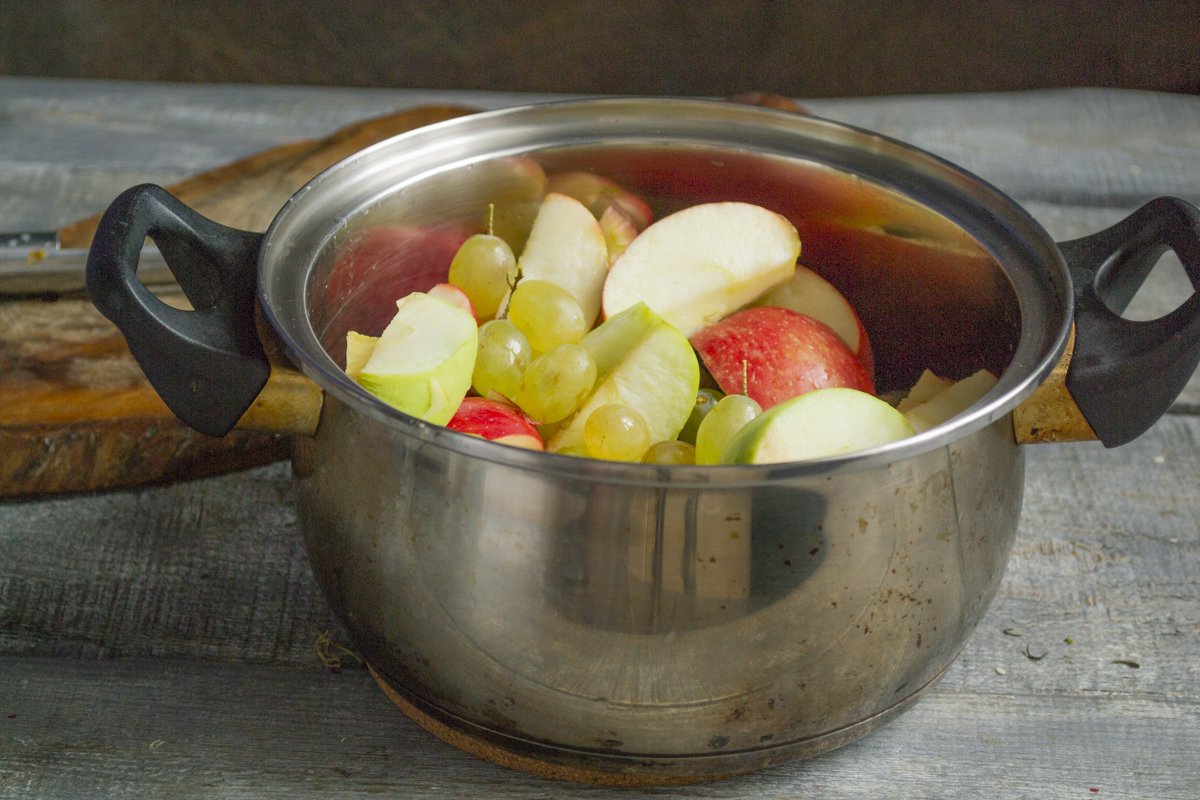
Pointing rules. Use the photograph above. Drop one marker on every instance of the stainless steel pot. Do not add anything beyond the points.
(634, 623)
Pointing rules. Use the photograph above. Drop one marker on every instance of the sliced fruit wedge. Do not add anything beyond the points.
(819, 424)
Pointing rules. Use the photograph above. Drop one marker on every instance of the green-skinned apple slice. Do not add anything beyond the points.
(819, 424)
(951, 401)
(423, 360)
(567, 247)
(700, 264)
(644, 363)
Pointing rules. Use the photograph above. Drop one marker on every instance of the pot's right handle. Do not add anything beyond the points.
(1122, 375)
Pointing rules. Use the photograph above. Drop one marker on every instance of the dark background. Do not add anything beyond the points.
(694, 47)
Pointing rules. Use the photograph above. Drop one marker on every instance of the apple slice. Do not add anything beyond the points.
(951, 401)
(924, 389)
(374, 266)
(826, 422)
(599, 193)
(644, 363)
(424, 358)
(359, 347)
(619, 231)
(702, 263)
(514, 187)
(495, 421)
(773, 354)
(567, 247)
(453, 295)
(813, 296)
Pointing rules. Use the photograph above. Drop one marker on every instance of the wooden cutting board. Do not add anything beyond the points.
(76, 413)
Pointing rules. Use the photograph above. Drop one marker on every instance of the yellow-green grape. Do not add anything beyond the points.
(705, 400)
(547, 314)
(578, 450)
(721, 424)
(616, 432)
(504, 354)
(484, 268)
(556, 383)
(670, 451)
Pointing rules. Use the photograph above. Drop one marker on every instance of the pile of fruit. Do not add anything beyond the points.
(694, 338)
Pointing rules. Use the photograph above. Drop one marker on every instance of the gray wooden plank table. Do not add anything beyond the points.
(162, 642)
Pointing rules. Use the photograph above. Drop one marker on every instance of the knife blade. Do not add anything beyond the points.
(35, 263)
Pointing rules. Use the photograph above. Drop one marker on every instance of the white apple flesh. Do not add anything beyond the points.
(644, 363)
(567, 247)
(698, 265)
(812, 295)
(951, 401)
(359, 347)
(423, 360)
(819, 424)
(924, 389)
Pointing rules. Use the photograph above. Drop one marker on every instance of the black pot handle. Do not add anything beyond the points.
(1124, 375)
(207, 364)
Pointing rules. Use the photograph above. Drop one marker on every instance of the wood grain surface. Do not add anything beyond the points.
(76, 412)
(171, 642)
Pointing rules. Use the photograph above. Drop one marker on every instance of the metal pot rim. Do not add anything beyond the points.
(1028, 255)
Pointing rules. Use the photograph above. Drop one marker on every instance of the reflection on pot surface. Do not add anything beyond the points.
(555, 608)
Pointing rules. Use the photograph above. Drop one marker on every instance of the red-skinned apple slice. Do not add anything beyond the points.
(773, 354)
(619, 231)
(698, 265)
(453, 295)
(818, 424)
(810, 294)
(495, 421)
(599, 193)
(567, 247)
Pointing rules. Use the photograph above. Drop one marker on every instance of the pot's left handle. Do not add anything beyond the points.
(207, 364)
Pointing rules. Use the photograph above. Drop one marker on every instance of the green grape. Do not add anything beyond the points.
(547, 314)
(484, 268)
(556, 383)
(504, 354)
(670, 451)
(616, 432)
(721, 424)
(706, 399)
(577, 450)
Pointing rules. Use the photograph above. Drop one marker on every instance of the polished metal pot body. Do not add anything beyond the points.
(676, 627)
(673, 623)
(677, 623)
